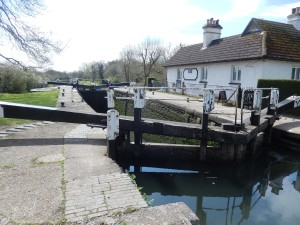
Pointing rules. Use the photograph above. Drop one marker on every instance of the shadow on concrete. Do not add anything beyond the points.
(50, 141)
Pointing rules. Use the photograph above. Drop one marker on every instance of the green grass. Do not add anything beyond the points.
(48, 98)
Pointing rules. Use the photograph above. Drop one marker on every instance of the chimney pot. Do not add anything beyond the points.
(294, 18)
(212, 31)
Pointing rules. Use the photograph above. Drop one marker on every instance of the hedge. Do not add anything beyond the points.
(286, 88)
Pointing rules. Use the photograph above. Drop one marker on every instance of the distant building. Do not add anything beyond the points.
(265, 49)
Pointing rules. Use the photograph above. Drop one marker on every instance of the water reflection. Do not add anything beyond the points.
(254, 193)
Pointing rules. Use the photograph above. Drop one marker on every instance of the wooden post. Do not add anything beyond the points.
(137, 120)
(111, 149)
(208, 106)
(139, 103)
(203, 147)
(257, 101)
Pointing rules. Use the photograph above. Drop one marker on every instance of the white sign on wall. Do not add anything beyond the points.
(190, 74)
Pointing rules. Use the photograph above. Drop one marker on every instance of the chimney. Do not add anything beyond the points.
(294, 18)
(211, 31)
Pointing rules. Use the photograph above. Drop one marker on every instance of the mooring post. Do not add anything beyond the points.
(139, 103)
(112, 132)
(208, 106)
(257, 101)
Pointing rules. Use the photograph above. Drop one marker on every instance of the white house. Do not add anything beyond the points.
(265, 49)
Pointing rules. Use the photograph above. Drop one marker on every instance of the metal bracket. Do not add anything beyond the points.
(112, 124)
(257, 101)
(1, 112)
(274, 98)
(208, 101)
(139, 98)
(110, 99)
(297, 102)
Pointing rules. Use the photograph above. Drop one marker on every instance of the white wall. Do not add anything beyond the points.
(273, 69)
(252, 70)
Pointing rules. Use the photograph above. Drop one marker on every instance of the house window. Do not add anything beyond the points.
(179, 74)
(203, 74)
(236, 74)
(296, 73)
(190, 71)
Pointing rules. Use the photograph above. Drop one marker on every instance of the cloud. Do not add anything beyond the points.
(242, 8)
(98, 30)
(279, 11)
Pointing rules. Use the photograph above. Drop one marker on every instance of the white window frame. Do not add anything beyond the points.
(179, 74)
(236, 74)
(204, 73)
(295, 73)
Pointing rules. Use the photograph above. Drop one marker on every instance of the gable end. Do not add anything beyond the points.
(251, 28)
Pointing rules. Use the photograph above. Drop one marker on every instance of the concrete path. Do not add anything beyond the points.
(95, 185)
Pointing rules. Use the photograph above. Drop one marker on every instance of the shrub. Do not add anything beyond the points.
(287, 88)
(15, 80)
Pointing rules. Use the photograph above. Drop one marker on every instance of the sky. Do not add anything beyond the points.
(97, 30)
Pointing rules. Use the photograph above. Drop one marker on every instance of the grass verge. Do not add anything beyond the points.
(47, 98)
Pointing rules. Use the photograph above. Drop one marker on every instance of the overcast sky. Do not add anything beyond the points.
(95, 30)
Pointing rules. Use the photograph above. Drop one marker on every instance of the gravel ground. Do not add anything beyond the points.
(30, 190)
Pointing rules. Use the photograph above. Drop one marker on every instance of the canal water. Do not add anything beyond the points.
(262, 192)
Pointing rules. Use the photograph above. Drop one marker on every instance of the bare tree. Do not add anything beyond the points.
(150, 52)
(86, 70)
(170, 50)
(127, 58)
(25, 37)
